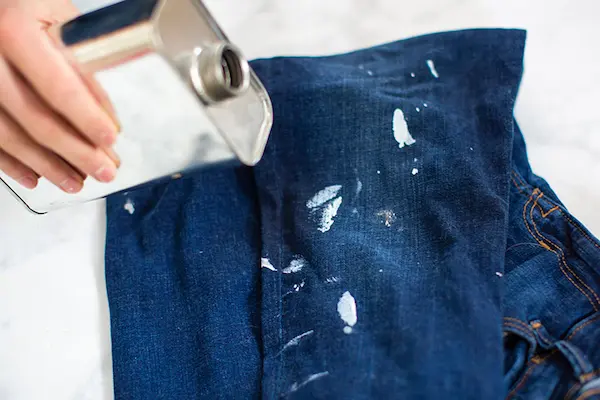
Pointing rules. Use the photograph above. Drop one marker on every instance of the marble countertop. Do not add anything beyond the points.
(54, 331)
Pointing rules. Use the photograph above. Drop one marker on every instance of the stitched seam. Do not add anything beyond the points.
(588, 394)
(564, 262)
(572, 391)
(527, 374)
(518, 177)
(590, 374)
(518, 321)
(526, 333)
(576, 226)
(544, 338)
(519, 188)
(582, 326)
(550, 211)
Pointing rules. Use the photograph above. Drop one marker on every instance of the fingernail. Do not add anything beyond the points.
(106, 173)
(71, 185)
(113, 156)
(28, 182)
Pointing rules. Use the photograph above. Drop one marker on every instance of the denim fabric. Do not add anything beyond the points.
(392, 243)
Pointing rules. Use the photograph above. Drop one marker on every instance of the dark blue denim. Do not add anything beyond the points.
(392, 243)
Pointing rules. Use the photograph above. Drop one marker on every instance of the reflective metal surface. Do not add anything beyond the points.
(185, 97)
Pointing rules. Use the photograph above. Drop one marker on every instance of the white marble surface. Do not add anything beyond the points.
(54, 337)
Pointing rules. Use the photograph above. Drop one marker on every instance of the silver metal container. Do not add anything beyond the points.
(184, 96)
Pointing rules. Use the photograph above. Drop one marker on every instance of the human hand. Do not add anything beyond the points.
(55, 122)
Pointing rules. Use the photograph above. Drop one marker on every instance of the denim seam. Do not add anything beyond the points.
(562, 257)
(571, 392)
(521, 330)
(532, 365)
(543, 244)
(518, 321)
(587, 395)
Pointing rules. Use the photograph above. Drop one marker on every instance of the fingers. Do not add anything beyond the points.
(16, 143)
(53, 78)
(18, 171)
(50, 130)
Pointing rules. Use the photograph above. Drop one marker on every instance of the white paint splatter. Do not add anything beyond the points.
(415, 171)
(323, 196)
(360, 66)
(333, 279)
(418, 109)
(329, 213)
(311, 378)
(265, 263)
(380, 270)
(400, 128)
(378, 172)
(296, 341)
(129, 207)
(499, 274)
(346, 307)
(412, 74)
(425, 105)
(415, 159)
(431, 66)
(298, 286)
(370, 73)
(296, 265)
(470, 148)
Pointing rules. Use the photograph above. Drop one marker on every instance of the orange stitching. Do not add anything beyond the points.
(527, 333)
(564, 261)
(527, 373)
(588, 394)
(518, 178)
(518, 321)
(517, 186)
(536, 325)
(585, 377)
(576, 226)
(572, 391)
(550, 211)
(583, 326)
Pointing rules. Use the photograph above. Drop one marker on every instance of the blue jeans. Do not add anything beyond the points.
(392, 243)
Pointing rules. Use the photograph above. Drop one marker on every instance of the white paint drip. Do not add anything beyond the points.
(418, 109)
(305, 382)
(346, 307)
(400, 128)
(415, 171)
(129, 207)
(329, 214)
(412, 74)
(370, 73)
(425, 105)
(499, 274)
(431, 66)
(333, 279)
(323, 196)
(296, 341)
(265, 263)
(296, 265)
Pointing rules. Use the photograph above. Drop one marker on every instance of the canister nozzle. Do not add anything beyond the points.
(219, 72)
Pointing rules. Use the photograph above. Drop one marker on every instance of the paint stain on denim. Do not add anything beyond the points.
(296, 265)
(386, 217)
(305, 382)
(129, 207)
(265, 263)
(415, 171)
(325, 205)
(400, 128)
(346, 308)
(432, 69)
